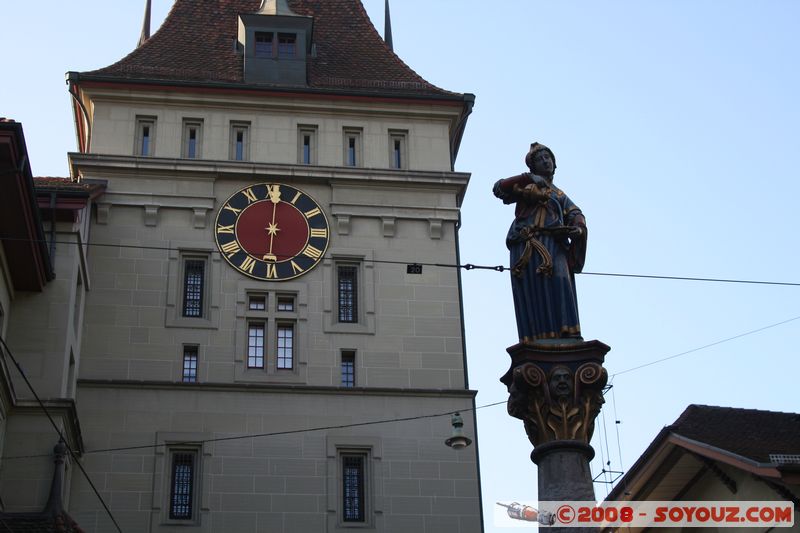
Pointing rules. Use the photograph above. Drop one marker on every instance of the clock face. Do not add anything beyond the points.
(271, 231)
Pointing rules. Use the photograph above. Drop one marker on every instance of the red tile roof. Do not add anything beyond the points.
(746, 432)
(196, 44)
(38, 523)
(66, 185)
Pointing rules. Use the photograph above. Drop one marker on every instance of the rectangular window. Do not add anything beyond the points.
(181, 498)
(255, 345)
(189, 364)
(257, 303)
(239, 149)
(192, 137)
(285, 303)
(348, 369)
(398, 157)
(353, 493)
(193, 287)
(286, 45)
(352, 147)
(145, 136)
(347, 282)
(307, 145)
(263, 44)
(285, 346)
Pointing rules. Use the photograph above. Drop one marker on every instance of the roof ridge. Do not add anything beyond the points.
(748, 409)
(391, 51)
(195, 44)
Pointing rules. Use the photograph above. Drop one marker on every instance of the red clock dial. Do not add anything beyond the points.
(271, 231)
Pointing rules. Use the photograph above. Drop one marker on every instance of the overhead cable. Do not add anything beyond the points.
(60, 434)
(465, 266)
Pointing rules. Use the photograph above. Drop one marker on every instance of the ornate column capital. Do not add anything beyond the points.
(557, 390)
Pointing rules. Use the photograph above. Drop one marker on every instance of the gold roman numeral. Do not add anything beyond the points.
(296, 197)
(224, 229)
(251, 196)
(272, 271)
(248, 264)
(319, 232)
(230, 249)
(296, 268)
(314, 212)
(235, 211)
(312, 252)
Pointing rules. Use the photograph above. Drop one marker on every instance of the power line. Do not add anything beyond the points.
(705, 346)
(684, 278)
(275, 433)
(60, 434)
(465, 266)
(417, 417)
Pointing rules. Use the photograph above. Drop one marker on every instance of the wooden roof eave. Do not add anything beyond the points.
(26, 250)
(96, 80)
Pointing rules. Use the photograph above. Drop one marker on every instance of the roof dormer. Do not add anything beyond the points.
(276, 44)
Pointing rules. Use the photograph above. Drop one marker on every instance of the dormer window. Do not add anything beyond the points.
(263, 44)
(276, 44)
(286, 45)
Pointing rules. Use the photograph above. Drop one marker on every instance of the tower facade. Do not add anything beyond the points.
(255, 353)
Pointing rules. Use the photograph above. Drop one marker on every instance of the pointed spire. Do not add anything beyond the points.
(275, 7)
(146, 25)
(387, 28)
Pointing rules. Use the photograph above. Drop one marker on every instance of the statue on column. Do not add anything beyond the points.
(547, 242)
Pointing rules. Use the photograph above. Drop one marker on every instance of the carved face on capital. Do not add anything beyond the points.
(560, 383)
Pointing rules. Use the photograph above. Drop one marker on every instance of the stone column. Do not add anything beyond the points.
(556, 389)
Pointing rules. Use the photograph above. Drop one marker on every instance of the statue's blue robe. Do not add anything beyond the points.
(546, 306)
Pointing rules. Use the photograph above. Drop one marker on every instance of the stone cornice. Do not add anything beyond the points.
(58, 407)
(177, 169)
(276, 388)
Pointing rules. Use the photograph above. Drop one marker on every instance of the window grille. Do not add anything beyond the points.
(353, 488)
(348, 293)
(182, 486)
(194, 275)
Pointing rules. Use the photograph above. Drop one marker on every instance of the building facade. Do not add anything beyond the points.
(249, 349)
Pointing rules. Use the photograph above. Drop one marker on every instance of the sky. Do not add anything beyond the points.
(675, 129)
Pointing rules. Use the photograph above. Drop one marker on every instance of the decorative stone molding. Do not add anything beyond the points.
(102, 213)
(199, 217)
(342, 224)
(388, 224)
(150, 215)
(435, 228)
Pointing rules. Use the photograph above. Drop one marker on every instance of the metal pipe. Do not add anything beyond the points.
(52, 229)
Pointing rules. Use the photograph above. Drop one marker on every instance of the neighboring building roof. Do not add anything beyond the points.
(764, 443)
(749, 433)
(23, 237)
(38, 523)
(196, 44)
(49, 183)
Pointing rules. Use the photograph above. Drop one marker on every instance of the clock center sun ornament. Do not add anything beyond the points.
(272, 232)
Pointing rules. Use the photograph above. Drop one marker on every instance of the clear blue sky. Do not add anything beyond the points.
(675, 128)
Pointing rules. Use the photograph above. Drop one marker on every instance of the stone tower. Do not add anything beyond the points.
(264, 172)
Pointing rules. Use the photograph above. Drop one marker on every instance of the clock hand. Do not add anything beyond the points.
(272, 229)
